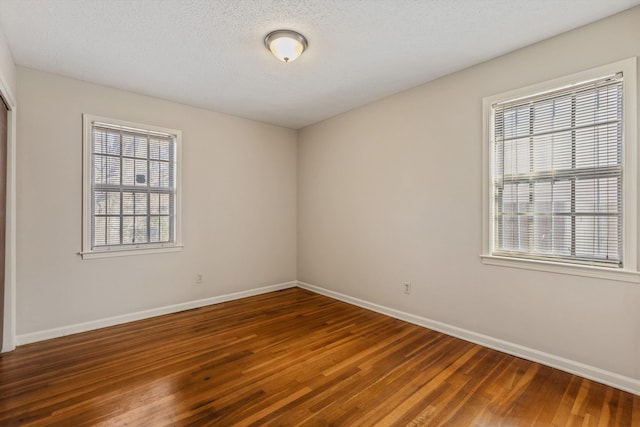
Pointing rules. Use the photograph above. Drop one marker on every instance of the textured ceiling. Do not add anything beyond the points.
(210, 54)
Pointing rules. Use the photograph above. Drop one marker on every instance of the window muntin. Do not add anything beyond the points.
(131, 187)
(557, 162)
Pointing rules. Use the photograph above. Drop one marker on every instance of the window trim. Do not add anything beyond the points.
(147, 248)
(629, 271)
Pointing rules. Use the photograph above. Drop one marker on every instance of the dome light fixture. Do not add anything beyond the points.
(286, 45)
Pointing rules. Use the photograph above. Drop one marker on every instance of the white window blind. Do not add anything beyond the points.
(557, 173)
(131, 187)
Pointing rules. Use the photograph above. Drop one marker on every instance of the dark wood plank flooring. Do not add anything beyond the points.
(291, 358)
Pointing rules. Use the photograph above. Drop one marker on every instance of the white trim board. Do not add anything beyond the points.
(145, 314)
(612, 379)
(9, 324)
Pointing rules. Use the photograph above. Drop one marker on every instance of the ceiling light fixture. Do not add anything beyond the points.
(286, 45)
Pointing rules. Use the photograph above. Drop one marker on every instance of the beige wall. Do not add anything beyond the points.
(391, 192)
(239, 207)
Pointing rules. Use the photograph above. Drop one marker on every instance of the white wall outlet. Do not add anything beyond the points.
(198, 278)
(406, 288)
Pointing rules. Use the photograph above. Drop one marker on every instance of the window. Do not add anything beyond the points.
(131, 179)
(560, 178)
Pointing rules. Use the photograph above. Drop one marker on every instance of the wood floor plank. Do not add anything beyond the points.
(290, 358)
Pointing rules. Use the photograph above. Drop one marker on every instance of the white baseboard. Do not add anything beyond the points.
(591, 372)
(124, 318)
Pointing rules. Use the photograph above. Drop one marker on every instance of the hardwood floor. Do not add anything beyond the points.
(291, 358)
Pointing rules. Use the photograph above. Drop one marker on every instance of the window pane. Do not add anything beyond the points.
(164, 229)
(113, 143)
(517, 156)
(597, 195)
(141, 146)
(597, 146)
(128, 203)
(154, 203)
(552, 151)
(141, 172)
(516, 122)
(113, 203)
(128, 230)
(154, 173)
(128, 145)
(141, 204)
(100, 203)
(597, 237)
(154, 148)
(159, 148)
(99, 142)
(562, 235)
(543, 233)
(154, 229)
(165, 150)
(113, 170)
(552, 114)
(164, 204)
(164, 175)
(141, 229)
(516, 198)
(113, 230)
(128, 172)
(106, 142)
(597, 106)
(159, 229)
(99, 169)
(99, 231)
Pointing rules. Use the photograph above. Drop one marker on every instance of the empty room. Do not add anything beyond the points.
(319, 212)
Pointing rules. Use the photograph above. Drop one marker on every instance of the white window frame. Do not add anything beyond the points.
(628, 272)
(88, 252)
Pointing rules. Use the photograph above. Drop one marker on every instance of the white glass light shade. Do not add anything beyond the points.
(286, 45)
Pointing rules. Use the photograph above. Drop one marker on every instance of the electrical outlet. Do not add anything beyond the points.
(198, 278)
(406, 288)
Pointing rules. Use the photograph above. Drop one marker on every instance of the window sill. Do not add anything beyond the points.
(110, 253)
(573, 270)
